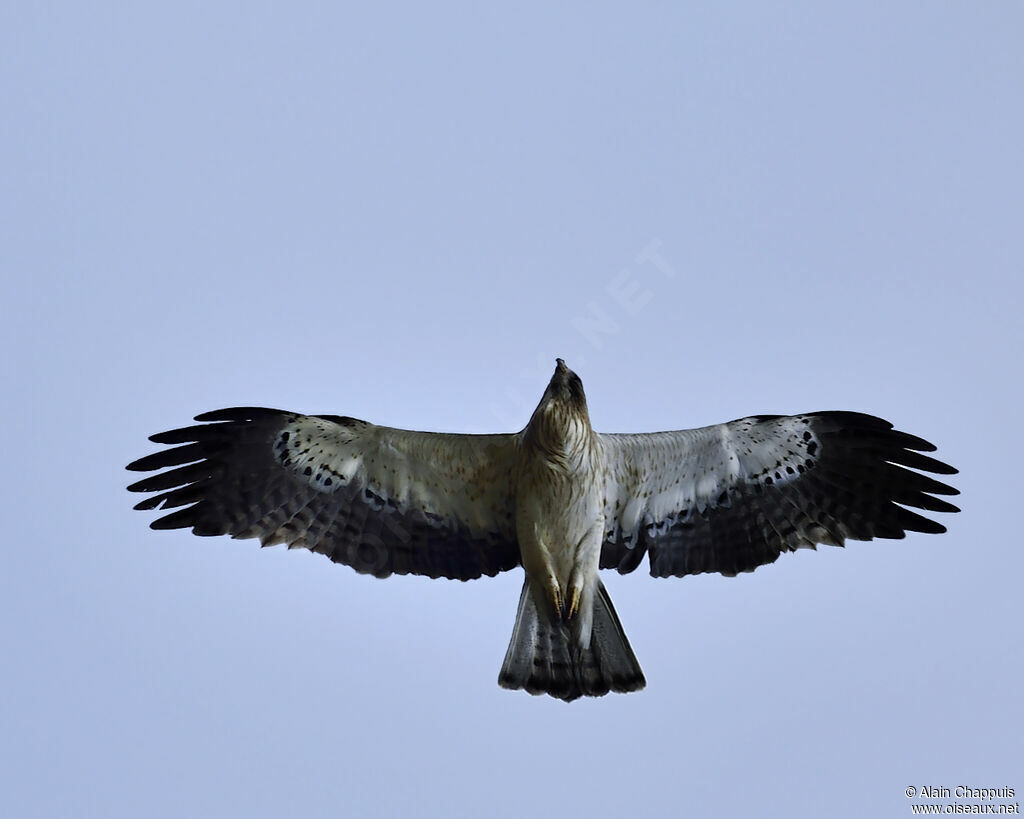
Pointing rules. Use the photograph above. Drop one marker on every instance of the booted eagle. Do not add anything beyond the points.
(558, 499)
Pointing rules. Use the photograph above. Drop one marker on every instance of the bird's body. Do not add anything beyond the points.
(560, 498)
(557, 498)
(560, 504)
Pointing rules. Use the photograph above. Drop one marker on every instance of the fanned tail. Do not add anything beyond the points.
(543, 657)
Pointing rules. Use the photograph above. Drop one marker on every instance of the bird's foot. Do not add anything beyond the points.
(575, 598)
(558, 601)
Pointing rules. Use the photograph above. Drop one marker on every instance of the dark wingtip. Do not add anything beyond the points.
(138, 486)
(182, 519)
(174, 436)
(913, 522)
(239, 414)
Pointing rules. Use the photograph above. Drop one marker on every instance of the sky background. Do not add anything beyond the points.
(404, 214)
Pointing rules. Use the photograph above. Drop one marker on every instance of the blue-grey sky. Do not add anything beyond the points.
(404, 214)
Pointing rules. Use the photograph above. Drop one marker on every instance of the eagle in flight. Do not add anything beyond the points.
(557, 498)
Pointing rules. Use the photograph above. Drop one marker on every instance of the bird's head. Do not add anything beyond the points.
(565, 387)
(561, 419)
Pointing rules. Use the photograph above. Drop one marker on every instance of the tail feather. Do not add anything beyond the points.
(543, 657)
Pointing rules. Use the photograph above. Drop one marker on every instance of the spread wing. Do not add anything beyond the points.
(731, 497)
(378, 499)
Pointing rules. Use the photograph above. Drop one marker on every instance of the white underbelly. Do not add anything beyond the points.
(560, 527)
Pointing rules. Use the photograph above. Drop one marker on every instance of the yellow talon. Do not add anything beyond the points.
(558, 602)
(574, 602)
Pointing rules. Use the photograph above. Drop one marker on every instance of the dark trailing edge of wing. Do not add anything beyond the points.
(224, 473)
(857, 487)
